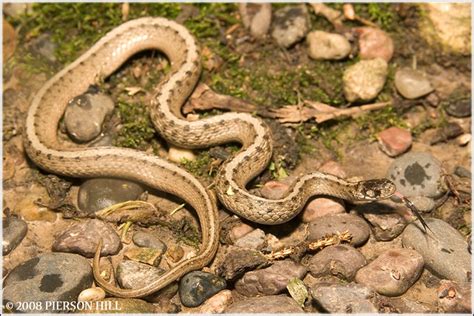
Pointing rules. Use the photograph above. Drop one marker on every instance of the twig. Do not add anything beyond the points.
(314, 245)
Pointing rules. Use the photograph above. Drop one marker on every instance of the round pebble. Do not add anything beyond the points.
(394, 141)
(85, 114)
(238, 260)
(239, 230)
(324, 45)
(423, 204)
(196, 287)
(253, 240)
(290, 25)
(256, 17)
(393, 272)
(342, 261)
(82, 238)
(217, 303)
(265, 304)
(96, 194)
(48, 277)
(319, 207)
(445, 253)
(364, 80)
(135, 275)
(374, 43)
(177, 154)
(384, 218)
(343, 298)
(415, 174)
(147, 240)
(337, 223)
(91, 294)
(274, 190)
(412, 83)
(14, 230)
(271, 280)
(460, 107)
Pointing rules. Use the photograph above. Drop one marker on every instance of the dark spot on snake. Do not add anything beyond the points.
(179, 83)
(246, 158)
(266, 136)
(77, 158)
(206, 125)
(258, 149)
(48, 156)
(186, 128)
(196, 62)
(189, 73)
(38, 152)
(60, 157)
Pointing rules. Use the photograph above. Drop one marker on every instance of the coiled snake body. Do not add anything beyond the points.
(110, 52)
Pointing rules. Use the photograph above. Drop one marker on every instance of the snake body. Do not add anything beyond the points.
(100, 61)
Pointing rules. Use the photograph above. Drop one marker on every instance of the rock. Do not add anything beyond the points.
(217, 303)
(464, 139)
(374, 43)
(50, 277)
(384, 218)
(345, 298)
(253, 240)
(239, 231)
(274, 190)
(337, 223)
(364, 80)
(175, 253)
(334, 168)
(319, 207)
(342, 261)
(423, 204)
(147, 240)
(14, 230)
(177, 154)
(415, 174)
(96, 194)
(265, 304)
(324, 45)
(462, 172)
(290, 25)
(411, 83)
(238, 260)
(443, 134)
(85, 114)
(16, 9)
(393, 272)
(82, 238)
(453, 297)
(256, 17)
(135, 275)
(271, 280)
(122, 306)
(448, 24)
(196, 287)
(433, 99)
(151, 256)
(91, 294)
(446, 255)
(460, 107)
(43, 46)
(394, 141)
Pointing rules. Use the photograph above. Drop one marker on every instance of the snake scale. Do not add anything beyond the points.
(174, 40)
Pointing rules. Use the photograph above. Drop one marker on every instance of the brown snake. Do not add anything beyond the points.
(100, 61)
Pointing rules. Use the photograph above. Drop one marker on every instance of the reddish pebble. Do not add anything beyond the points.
(320, 207)
(273, 190)
(332, 167)
(374, 43)
(239, 231)
(394, 141)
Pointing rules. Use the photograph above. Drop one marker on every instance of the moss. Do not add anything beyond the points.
(82, 24)
(201, 166)
(137, 130)
(373, 122)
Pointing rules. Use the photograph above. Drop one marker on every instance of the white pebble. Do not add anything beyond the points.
(91, 294)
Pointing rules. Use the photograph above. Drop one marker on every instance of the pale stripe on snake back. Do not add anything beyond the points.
(179, 46)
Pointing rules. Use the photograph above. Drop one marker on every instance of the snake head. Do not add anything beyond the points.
(376, 189)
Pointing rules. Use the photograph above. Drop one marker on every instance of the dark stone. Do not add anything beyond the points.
(196, 287)
(14, 230)
(96, 194)
(47, 278)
